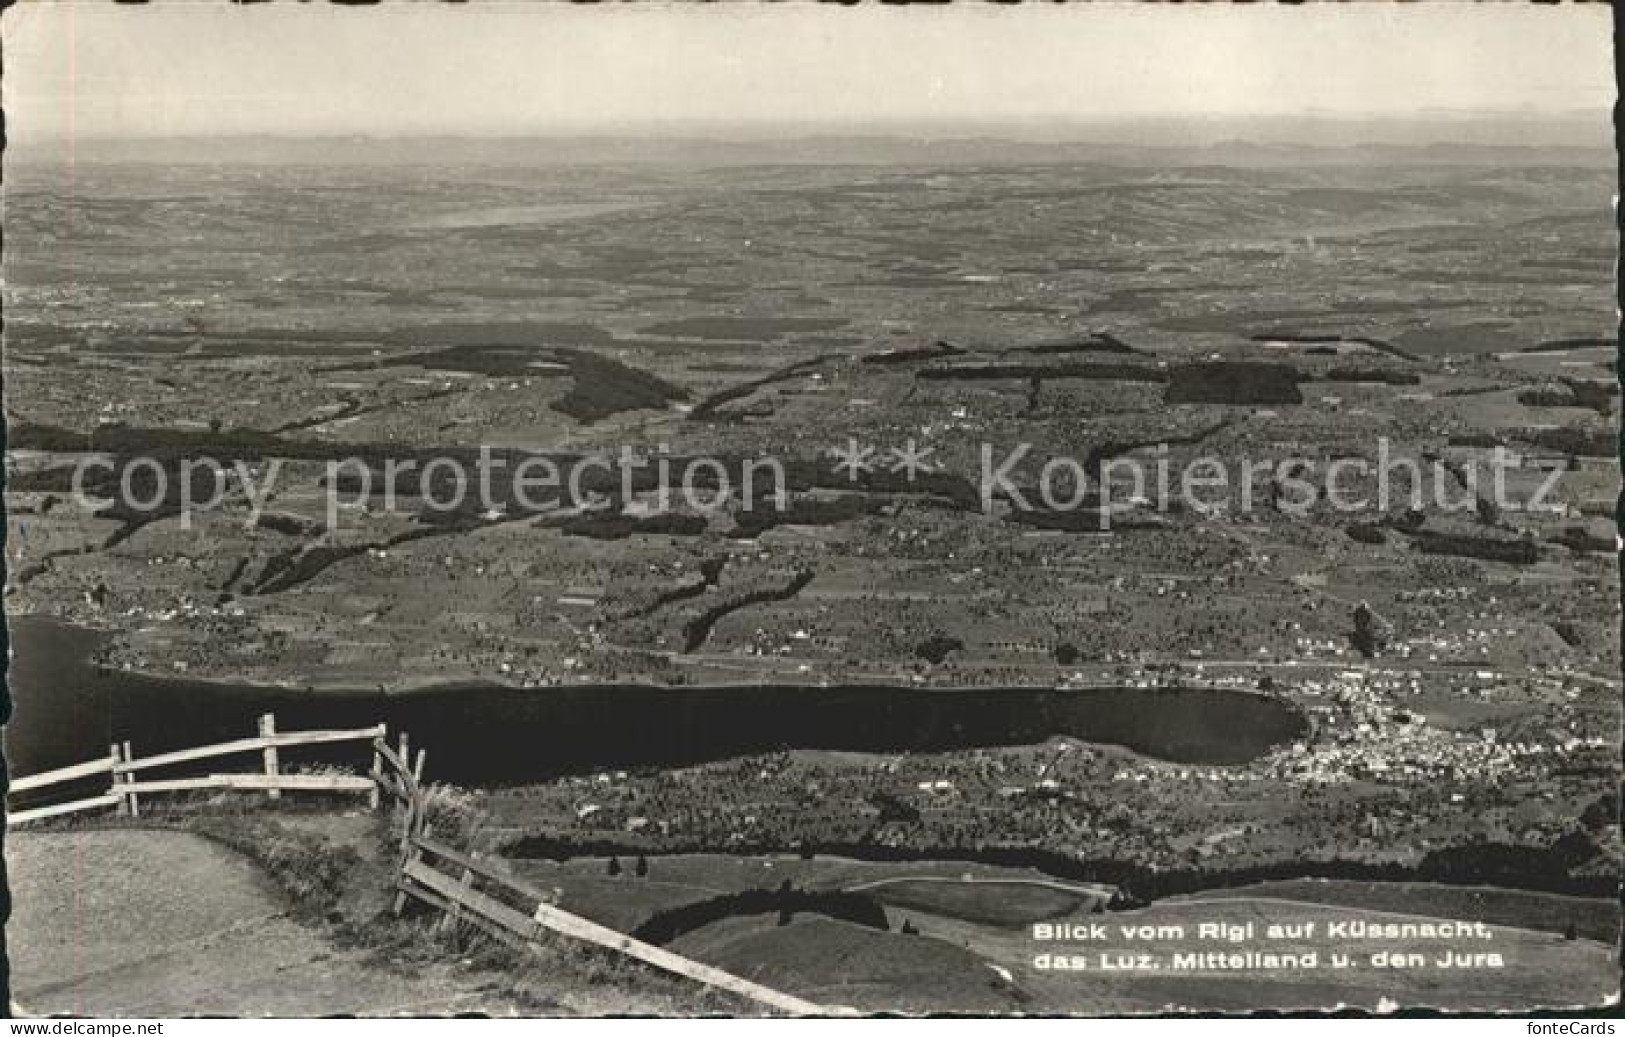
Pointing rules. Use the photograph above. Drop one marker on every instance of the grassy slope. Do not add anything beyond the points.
(843, 964)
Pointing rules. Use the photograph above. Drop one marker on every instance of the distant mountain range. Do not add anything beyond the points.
(1583, 138)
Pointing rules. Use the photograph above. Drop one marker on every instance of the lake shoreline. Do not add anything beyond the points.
(490, 732)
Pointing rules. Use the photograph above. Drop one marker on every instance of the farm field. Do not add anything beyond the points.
(628, 901)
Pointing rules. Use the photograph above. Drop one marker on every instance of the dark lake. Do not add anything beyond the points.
(66, 710)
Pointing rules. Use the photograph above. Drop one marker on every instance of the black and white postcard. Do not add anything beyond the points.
(664, 509)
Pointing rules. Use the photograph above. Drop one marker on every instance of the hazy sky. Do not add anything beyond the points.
(210, 68)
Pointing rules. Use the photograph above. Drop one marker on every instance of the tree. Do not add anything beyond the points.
(642, 867)
(614, 866)
(1367, 636)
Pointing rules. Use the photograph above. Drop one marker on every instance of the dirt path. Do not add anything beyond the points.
(153, 923)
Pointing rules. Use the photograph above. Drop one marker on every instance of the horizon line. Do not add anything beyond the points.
(1016, 131)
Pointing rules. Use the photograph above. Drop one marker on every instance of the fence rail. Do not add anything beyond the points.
(254, 782)
(248, 745)
(121, 766)
(112, 799)
(105, 765)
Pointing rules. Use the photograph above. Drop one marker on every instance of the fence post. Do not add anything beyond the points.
(377, 776)
(453, 919)
(127, 806)
(413, 822)
(118, 779)
(267, 729)
(135, 803)
(410, 854)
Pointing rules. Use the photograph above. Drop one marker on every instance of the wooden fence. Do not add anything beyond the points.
(464, 887)
(126, 788)
(468, 889)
